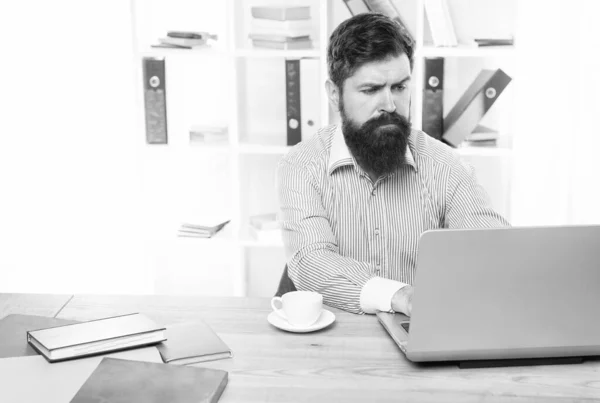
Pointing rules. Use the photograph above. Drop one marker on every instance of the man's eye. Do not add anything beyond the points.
(369, 91)
(400, 87)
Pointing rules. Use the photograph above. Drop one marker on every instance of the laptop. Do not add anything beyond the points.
(503, 293)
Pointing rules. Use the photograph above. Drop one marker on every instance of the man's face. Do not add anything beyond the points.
(374, 107)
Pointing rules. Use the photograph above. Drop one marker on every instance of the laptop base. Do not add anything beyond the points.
(519, 362)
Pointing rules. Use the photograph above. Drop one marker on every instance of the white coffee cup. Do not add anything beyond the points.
(299, 308)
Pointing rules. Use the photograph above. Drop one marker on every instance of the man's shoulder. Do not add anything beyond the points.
(432, 153)
(312, 153)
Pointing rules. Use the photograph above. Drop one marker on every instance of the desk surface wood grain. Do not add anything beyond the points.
(353, 360)
(32, 304)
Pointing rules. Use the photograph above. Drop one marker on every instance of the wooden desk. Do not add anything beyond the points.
(354, 360)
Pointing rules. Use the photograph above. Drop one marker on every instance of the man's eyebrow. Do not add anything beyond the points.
(379, 85)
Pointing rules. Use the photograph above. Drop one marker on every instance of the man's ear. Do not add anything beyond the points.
(333, 93)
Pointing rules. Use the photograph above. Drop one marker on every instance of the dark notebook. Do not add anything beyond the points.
(192, 342)
(125, 381)
(13, 333)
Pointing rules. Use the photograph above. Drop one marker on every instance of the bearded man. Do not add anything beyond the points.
(356, 197)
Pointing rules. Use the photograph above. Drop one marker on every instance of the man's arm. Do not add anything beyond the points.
(467, 203)
(314, 262)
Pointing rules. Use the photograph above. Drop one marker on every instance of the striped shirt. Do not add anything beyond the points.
(343, 233)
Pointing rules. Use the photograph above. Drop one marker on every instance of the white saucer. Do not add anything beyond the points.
(326, 319)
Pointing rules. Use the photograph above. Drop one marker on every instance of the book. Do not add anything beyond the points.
(473, 104)
(278, 38)
(95, 337)
(440, 23)
(155, 100)
(294, 45)
(192, 35)
(13, 333)
(185, 42)
(126, 381)
(494, 41)
(292, 102)
(208, 229)
(310, 97)
(286, 28)
(433, 97)
(192, 342)
(282, 13)
(34, 379)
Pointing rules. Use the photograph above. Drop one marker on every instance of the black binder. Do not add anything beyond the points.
(155, 100)
(292, 102)
(473, 105)
(433, 97)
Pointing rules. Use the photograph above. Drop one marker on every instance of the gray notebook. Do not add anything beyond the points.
(124, 381)
(13, 333)
(192, 342)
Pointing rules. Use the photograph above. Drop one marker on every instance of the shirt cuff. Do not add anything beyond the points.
(377, 293)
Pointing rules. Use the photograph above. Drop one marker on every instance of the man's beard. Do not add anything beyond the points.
(379, 144)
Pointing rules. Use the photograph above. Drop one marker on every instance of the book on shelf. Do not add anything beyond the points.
(186, 39)
(13, 333)
(202, 227)
(155, 100)
(208, 134)
(182, 42)
(117, 380)
(95, 337)
(473, 104)
(310, 97)
(281, 13)
(482, 133)
(192, 342)
(440, 23)
(290, 45)
(294, 28)
(277, 37)
(292, 102)
(494, 41)
(433, 97)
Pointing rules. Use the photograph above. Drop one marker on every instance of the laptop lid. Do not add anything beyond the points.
(500, 293)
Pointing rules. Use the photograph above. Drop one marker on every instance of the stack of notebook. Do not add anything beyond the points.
(202, 228)
(71, 350)
(281, 27)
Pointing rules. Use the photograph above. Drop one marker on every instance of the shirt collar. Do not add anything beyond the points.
(340, 155)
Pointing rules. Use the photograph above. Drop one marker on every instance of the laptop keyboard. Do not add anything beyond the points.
(405, 326)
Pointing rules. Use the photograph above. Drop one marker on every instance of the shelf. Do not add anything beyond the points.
(200, 52)
(289, 54)
(466, 51)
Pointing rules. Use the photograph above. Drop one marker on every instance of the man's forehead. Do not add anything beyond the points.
(395, 67)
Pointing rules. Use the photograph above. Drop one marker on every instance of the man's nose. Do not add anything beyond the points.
(387, 103)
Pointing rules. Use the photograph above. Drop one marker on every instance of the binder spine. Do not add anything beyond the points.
(292, 99)
(155, 100)
(433, 97)
(473, 105)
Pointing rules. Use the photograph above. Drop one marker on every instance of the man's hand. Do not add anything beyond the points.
(402, 300)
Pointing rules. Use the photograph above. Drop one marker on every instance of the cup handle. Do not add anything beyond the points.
(278, 311)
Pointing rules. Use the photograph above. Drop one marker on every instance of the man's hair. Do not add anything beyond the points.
(365, 38)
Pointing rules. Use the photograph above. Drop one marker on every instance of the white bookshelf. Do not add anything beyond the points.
(241, 87)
